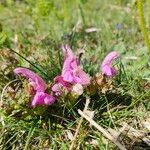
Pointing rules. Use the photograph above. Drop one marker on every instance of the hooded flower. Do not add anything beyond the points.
(107, 67)
(39, 86)
(71, 71)
(71, 74)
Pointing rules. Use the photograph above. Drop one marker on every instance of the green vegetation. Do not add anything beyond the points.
(31, 33)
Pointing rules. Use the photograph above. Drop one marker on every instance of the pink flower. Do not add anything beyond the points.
(106, 66)
(71, 71)
(36, 81)
(39, 86)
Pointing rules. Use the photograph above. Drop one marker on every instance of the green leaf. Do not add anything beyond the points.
(2, 38)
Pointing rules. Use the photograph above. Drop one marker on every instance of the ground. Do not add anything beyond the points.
(31, 36)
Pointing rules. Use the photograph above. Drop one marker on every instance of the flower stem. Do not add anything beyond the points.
(143, 24)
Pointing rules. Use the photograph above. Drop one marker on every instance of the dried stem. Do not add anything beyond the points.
(1, 98)
(102, 130)
(79, 125)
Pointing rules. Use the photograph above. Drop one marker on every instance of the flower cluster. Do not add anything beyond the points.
(39, 87)
(71, 80)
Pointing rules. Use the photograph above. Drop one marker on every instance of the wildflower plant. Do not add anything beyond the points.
(46, 89)
(38, 86)
(72, 83)
(73, 79)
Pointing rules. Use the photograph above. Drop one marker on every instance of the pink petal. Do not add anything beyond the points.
(76, 76)
(106, 66)
(49, 100)
(109, 71)
(42, 98)
(56, 87)
(70, 63)
(70, 59)
(59, 79)
(60, 85)
(71, 71)
(68, 76)
(67, 51)
(35, 80)
(81, 77)
(109, 58)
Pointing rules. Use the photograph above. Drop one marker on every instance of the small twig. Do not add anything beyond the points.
(4, 89)
(102, 130)
(79, 125)
(60, 117)
(135, 133)
(1, 98)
